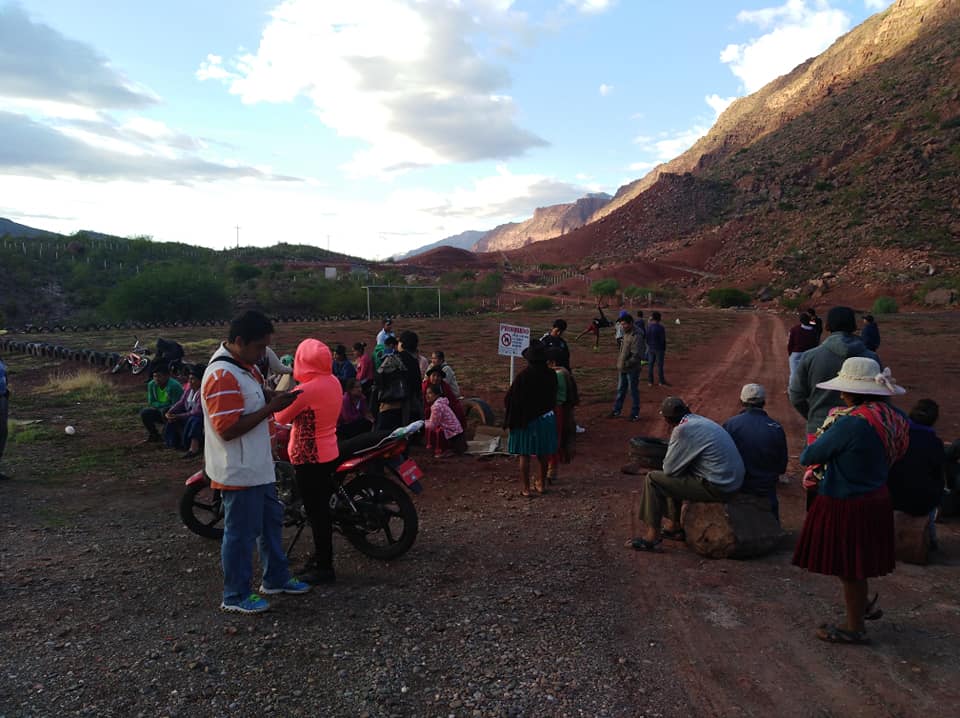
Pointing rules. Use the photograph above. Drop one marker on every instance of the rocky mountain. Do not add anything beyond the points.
(464, 240)
(546, 223)
(846, 166)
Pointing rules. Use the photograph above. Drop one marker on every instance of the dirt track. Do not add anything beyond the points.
(504, 607)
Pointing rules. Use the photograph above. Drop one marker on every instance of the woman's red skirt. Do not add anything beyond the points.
(850, 538)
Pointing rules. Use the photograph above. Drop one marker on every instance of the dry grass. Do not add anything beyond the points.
(79, 385)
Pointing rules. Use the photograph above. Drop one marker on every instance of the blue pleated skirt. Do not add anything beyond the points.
(539, 437)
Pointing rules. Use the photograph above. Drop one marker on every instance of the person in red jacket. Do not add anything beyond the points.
(313, 449)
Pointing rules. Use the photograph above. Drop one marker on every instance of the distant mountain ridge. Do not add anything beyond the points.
(841, 172)
(16, 230)
(546, 223)
(464, 240)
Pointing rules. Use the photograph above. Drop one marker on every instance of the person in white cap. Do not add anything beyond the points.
(848, 531)
(762, 444)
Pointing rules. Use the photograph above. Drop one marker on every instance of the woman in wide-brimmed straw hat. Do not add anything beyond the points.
(848, 531)
(530, 404)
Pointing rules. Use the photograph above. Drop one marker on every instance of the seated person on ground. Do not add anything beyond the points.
(444, 431)
(186, 416)
(355, 417)
(435, 378)
(162, 393)
(916, 481)
(762, 444)
(702, 464)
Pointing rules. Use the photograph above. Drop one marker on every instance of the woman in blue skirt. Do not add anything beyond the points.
(530, 404)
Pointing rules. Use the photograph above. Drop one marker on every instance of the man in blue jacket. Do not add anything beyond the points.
(656, 348)
(762, 444)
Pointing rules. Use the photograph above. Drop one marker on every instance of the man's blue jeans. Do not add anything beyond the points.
(628, 378)
(655, 357)
(252, 515)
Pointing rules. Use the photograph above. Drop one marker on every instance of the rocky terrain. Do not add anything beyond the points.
(845, 167)
(547, 222)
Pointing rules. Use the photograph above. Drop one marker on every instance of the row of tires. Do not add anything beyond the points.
(55, 351)
(50, 329)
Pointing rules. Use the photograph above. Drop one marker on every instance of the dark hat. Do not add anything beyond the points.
(391, 340)
(387, 320)
(196, 370)
(435, 370)
(536, 352)
(674, 408)
(410, 341)
(555, 354)
(841, 319)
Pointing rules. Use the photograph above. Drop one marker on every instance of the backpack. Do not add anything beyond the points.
(393, 385)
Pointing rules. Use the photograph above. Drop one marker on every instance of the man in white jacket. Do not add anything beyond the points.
(239, 460)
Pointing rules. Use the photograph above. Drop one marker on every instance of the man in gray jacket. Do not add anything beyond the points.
(702, 464)
(628, 367)
(823, 363)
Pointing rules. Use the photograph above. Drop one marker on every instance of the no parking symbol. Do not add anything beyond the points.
(513, 340)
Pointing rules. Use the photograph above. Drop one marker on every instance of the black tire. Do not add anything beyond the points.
(201, 511)
(481, 410)
(140, 365)
(386, 508)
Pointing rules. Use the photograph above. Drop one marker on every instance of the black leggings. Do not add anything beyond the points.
(316, 485)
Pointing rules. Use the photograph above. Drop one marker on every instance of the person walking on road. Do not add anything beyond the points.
(656, 348)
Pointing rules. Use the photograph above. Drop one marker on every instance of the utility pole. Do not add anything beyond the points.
(238, 236)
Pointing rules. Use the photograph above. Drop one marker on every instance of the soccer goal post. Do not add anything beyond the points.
(398, 286)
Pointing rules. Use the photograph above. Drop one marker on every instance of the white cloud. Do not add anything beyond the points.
(877, 4)
(719, 104)
(591, 6)
(409, 78)
(605, 89)
(794, 32)
(670, 144)
(38, 63)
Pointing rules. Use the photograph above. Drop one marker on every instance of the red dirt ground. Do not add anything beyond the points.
(727, 637)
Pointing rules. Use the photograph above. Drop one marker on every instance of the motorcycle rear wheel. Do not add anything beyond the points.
(140, 365)
(201, 511)
(387, 523)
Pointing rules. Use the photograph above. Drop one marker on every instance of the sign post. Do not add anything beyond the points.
(513, 340)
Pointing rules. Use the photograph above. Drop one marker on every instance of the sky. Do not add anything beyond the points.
(367, 126)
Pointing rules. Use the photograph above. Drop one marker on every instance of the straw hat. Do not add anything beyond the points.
(861, 375)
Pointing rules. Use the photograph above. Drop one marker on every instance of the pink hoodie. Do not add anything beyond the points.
(314, 413)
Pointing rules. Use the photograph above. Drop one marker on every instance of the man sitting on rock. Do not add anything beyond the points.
(702, 464)
(762, 444)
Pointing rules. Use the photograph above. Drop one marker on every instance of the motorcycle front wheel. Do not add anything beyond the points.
(201, 510)
(140, 365)
(385, 524)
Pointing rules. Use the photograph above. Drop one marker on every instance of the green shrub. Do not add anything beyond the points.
(537, 304)
(728, 297)
(604, 287)
(791, 303)
(885, 305)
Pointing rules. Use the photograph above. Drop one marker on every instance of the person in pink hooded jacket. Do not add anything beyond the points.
(444, 430)
(313, 449)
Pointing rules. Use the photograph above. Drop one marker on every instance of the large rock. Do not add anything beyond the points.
(912, 538)
(742, 528)
(940, 297)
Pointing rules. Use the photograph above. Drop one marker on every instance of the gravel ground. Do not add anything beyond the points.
(504, 607)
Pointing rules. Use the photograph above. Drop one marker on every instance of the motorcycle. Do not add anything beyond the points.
(137, 358)
(372, 511)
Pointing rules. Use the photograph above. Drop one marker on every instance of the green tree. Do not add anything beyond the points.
(885, 305)
(728, 297)
(604, 287)
(490, 285)
(176, 292)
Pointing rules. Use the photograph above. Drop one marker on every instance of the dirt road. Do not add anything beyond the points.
(743, 631)
(504, 607)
